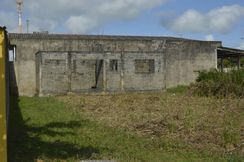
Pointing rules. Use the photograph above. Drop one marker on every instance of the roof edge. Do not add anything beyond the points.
(112, 37)
(234, 50)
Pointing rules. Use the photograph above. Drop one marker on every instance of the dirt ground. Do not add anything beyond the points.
(202, 123)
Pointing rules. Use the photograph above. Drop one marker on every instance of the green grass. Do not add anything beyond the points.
(46, 129)
(178, 89)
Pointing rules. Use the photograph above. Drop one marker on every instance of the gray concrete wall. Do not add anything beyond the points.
(185, 59)
(176, 61)
(141, 81)
(53, 73)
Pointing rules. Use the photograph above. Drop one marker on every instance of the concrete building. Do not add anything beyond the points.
(56, 64)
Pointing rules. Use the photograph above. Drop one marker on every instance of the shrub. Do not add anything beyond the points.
(221, 84)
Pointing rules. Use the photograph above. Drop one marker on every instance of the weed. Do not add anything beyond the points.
(126, 127)
(220, 84)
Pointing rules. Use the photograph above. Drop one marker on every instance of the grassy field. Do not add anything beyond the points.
(126, 127)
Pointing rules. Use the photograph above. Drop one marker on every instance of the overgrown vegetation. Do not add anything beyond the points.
(127, 127)
(220, 84)
(230, 62)
(177, 122)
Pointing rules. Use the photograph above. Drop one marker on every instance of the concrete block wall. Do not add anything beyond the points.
(176, 60)
(152, 81)
(53, 73)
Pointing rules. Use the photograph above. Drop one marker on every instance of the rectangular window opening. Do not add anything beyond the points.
(12, 53)
(144, 66)
(113, 64)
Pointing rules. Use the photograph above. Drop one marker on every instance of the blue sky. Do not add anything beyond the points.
(195, 19)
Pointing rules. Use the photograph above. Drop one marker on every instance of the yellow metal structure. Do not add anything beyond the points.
(3, 104)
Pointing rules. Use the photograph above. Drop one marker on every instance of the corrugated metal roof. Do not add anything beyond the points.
(229, 52)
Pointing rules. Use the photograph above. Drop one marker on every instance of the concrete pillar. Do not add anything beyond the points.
(122, 72)
(221, 64)
(238, 62)
(104, 75)
(40, 75)
(69, 70)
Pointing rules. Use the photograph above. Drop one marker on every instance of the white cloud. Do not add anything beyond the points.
(81, 24)
(209, 37)
(220, 20)
(242, 45)
(81, 16)
(102, 12)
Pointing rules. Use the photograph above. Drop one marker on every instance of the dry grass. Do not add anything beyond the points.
(188, 122)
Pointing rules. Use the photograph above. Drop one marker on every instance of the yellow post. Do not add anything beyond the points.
(3, 131)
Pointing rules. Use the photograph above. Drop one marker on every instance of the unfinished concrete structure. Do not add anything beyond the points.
(57, 64)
